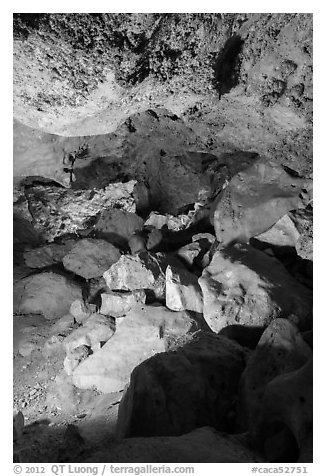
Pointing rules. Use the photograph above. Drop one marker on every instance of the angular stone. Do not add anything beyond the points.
(144, 271)
(195, 253)
(48, 294)
(284, 233)
(118, 304)
(176, 392)
(243, 285)
(143, 332)
(117, 226)
(203, 445)
(182, 290)
(281, 349)
(254, 200)
(81, 311)
(89, 258)
(95, 331)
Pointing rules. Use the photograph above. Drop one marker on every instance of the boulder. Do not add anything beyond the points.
(117, 304)
(282, 234)
(281, 349)
(242, 285)
(176, 392)
(254, 200)
(203, 445)
(49, 294)
(94, 332)
(144, 331)
(143, 271)
(47, 255)
(182, 290)
(89, 258)
(117, 226)
(81, 311)
(288, 402)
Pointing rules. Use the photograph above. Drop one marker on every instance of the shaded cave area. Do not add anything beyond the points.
(163, 238)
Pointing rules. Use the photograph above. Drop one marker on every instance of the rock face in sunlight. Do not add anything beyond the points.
(163, 237)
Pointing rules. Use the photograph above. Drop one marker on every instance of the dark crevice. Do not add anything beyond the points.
(227, 65)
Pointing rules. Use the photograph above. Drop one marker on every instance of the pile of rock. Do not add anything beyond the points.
(201, 330)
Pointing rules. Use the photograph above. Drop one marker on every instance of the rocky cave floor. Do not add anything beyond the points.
(163, 266)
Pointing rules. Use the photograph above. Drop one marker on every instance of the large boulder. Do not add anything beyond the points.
(288, 403)
(117, 226)
(49, 294)
(143, 332)
(242, 285)
(182, 290)
(203, 445)
(89, 258)
(254, 200)
(175, 392)
(281, 349)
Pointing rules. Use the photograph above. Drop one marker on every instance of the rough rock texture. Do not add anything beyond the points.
(303, 220)
(81, 311)
(117, 226)
(243, 285)
(89, 258)
(144, 271)
(144, 331)
(118, 304)
(281, 349)
(254, 200)
(57, 211)
(173, 393)
(203, 445)
(283, 234)
(182, 291)
(48, 294)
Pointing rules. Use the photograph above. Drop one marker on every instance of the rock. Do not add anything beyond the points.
(203, 445)
(74, 357)
(118, 304)
(143, 271)
(95, 331)
(288, 402)
(47, 255)
(63, 324)
(283, 234)
(244, 286)
(281, 349)
(117, 226)
(81, 311)
(303, 220)
(137, 243)
(254, 200)
(89, 258)
(26, 348)
(172, 223)
(195, 254)
(154, 239)
(143, 332)
(58, 211)
(53, 346)
(18, 425)
(182, 291)
(48, 294)
(174, 393)
(204, 237)
(142, 199)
